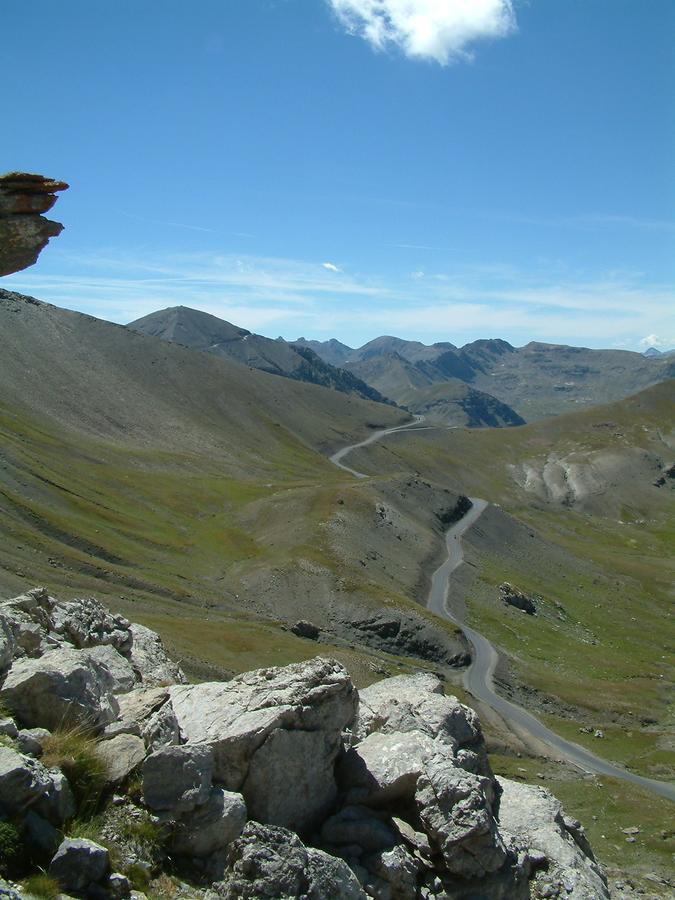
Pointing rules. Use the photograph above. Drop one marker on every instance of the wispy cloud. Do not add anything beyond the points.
(291, 297)
(439, 30)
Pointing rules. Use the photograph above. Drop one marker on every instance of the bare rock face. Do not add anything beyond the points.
(268, 862)
(272, 728)
(534, 819)
(24, 232)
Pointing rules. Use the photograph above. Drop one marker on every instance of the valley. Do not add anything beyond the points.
(201, 497)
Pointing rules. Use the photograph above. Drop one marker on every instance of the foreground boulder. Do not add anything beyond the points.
(533, 817)
(266, 863)
(275, 736)
(63, 687)
(78, 864)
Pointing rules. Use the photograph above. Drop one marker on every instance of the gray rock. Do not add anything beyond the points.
(22, 780)
(57, 805)
(123, 677)
(7, 644)
(398, 869)
(121, 755)
(119, 886)
(7, 892)
(311, 701)
(40, 835)
(87, 623)
(210, 827)
(535, 820)
(78, 864)
(417, 703)
(384, 768)
(150, 661)
(178, 778)
(360, 826)
(456, 810)
(8, 727)
(268, 863)
(139, 714)
(291, 780)
(63, 686)
(31, 740)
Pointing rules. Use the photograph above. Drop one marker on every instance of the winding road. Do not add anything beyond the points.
(478, 678)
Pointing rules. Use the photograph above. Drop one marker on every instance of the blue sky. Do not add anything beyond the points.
(317, 168)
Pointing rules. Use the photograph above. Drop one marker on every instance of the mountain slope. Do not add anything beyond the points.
(205, 332)
(191, 489)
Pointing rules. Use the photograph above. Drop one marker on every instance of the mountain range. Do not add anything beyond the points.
(535, 381)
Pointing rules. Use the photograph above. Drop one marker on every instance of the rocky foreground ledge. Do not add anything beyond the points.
(281, 783)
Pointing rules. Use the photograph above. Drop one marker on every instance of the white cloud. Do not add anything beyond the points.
(653, 340)
(439, 30)
(331, 267)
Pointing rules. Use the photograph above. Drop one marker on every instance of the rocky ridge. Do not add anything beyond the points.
(24, 231)
(283, 782)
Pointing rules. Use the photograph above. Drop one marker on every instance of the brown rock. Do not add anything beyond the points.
(23, 231)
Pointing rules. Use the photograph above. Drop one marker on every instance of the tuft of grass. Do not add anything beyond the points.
(43, 886)
(73, 750)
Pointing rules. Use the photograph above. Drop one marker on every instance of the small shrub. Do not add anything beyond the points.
(73, 750)
(10, 846)
(43, 886)
(139, 877)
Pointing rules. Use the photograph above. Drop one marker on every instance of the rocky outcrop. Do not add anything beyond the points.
(280, 782)
(24, 232)
(517, 598)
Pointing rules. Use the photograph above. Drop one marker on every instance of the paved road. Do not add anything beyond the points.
(337, 458)
(478, 679)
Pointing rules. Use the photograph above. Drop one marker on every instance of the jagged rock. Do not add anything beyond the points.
(535, 819)
(87, 623)
(61, 687)
(7, 892)
(124, 678)
(417, 703)
(178, 778)
(24, 233)
(398, 870)
(211, 827)
(514, 597)
(121, 755)
(267, 863)
(150, 661)
(31, 740)
(57, 805)
(272, 728)
(22, 780)
(361, 826)
(146, 712)
(78, 864)
(456, 809)
(384, 768)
